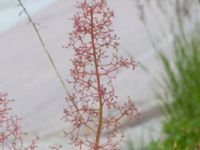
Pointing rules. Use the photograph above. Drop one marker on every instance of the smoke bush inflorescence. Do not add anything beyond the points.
(93, 109)
(11, 136)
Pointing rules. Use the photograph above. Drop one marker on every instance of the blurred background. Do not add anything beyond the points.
(162, 35)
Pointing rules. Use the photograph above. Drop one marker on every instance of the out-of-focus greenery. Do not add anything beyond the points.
(182, 79)
(182, 129)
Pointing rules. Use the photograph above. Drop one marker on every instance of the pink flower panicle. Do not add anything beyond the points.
(93, 111)
(11, 137)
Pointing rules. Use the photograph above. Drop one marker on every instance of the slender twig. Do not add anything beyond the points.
(44, 47)
(69, 96)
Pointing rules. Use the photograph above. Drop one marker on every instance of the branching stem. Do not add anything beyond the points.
(100, 116)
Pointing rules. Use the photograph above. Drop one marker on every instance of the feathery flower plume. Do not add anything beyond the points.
(93, 111)
(11, 136)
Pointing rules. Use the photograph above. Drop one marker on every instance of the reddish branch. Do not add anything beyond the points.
(94, 109)
(11, 136)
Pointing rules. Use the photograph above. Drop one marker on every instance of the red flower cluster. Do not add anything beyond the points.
(11, 136)
(93, 109)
